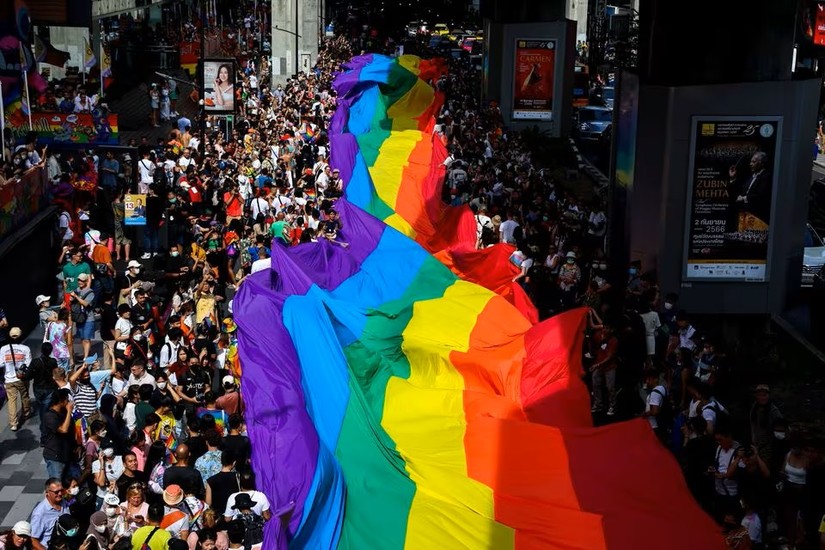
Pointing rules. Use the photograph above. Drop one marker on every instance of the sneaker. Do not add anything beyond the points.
(146, 256)
(610, 411)
(595, 409)
(154, 254)
(13, 428)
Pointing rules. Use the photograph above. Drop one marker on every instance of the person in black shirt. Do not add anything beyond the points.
(108, 319)
(41, 373)
(58, 439)
(236, 443)
(177, 265)
(141, 311)
(130, 475)
(194, 383)
(184, 475)
(221, 485)
(195, 441)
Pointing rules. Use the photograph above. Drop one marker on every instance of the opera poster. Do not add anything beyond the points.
(534, 71)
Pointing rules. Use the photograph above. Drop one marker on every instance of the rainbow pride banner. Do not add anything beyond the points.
(393, 404)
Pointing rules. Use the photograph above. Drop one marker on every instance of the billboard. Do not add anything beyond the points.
(626, 129)
(68, 129)
(733, 170)
(134, 206)
(219, 86)
(819, 25)
(534, 69)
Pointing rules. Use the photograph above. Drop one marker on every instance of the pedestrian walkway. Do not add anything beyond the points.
(22, 468)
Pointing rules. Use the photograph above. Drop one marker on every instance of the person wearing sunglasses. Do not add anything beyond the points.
(46, 513)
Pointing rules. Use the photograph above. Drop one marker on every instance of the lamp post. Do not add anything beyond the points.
(295, 33)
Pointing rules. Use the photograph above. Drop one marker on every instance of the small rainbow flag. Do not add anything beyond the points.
(80, 427)
(307, 132)
(221, 421)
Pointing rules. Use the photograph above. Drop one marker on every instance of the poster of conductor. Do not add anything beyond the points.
(533, 79)
(733, 172)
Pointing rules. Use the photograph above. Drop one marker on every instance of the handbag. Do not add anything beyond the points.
(85, 495)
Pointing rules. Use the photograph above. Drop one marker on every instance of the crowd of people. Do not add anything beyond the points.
(144, 441)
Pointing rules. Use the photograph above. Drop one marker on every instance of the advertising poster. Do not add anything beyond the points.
(819, 25)
(219, 86)
(135, 210)
(627, 127)
(94, 128)
(733, 170)
(533, 71)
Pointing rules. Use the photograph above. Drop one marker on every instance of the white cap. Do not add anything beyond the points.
(40, 299)
(228, 379)
(22, 528)
(111, 500)
(134, 263)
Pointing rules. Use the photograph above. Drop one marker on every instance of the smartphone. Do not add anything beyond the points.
(138, 518)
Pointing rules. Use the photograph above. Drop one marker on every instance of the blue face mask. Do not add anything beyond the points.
(71, 532)
(632, 270)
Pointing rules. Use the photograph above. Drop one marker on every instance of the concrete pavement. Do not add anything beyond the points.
(22, 468)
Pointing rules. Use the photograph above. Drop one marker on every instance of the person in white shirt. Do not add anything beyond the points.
(169, 350)
(186, 160)
(140, 376)
(146, 169)
(247, 484)
(655, 399)
(751, 521)
(16, 357)
(482, 221)
(259, 205)
(597, 227)
(724, 469)
(82, 103)
(508, 228)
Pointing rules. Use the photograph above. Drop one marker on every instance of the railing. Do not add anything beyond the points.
(21, 200)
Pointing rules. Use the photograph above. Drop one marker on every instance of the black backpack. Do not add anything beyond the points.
(253, 529)
(722, 415)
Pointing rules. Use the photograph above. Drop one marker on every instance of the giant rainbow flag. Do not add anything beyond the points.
(395, 403)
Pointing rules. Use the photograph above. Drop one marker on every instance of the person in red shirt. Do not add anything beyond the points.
(230, 401)
(234, 204)
(603, 370)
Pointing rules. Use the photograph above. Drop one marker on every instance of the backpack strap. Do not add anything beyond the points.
(152, 534)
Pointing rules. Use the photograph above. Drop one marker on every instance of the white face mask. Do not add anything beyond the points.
(74, 490)
(668, 305)
(162, 385)
(102, 434)
(110, 511)
(100, 528)
(779, 435)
